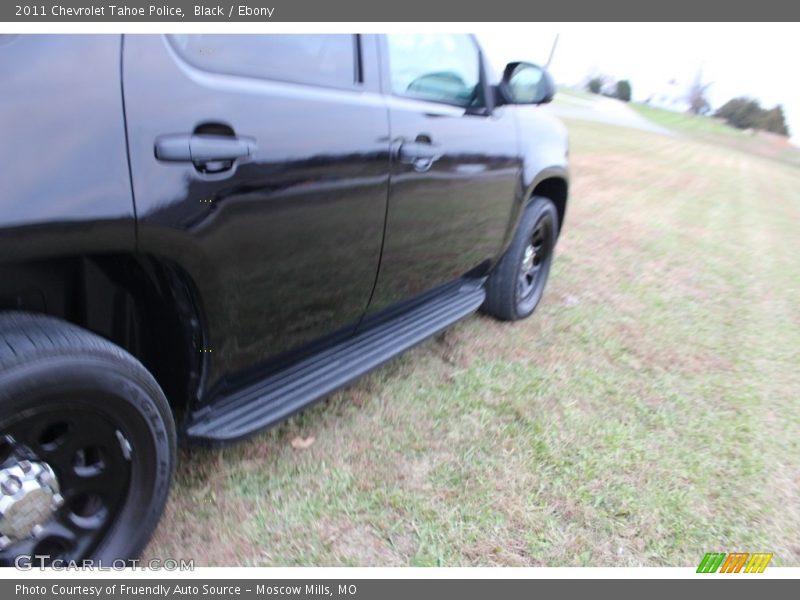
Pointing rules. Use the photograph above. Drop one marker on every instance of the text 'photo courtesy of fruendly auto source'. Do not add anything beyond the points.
(506, 296)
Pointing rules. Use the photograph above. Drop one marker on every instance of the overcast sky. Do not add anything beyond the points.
(756, 59)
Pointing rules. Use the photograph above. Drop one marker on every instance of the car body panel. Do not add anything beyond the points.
(543, 145)
(449, 220)
(65, 187)
(284, 248)
(320, 229)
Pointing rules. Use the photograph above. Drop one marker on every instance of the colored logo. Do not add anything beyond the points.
(736, 562)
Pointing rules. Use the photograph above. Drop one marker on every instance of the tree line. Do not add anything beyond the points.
(742, 112)
(747, 113)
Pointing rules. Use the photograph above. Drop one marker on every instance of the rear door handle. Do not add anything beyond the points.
(420, 155)
(204, 150)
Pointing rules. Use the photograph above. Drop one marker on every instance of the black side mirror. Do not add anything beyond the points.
(525, 83)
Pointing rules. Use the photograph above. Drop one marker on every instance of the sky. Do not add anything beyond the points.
(739, 59)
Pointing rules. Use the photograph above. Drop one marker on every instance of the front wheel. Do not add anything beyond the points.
(517, 283)
(87, 445)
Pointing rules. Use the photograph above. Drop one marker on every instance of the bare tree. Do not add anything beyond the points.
(696, 96)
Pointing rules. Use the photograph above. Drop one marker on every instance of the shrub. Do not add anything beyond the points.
(624, 90)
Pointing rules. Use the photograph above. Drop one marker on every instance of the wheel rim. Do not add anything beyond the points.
(535, 262)
(74, 469)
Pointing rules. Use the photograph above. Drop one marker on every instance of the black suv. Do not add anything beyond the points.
(201, 235)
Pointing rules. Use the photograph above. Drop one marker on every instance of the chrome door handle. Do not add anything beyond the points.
(419, 155)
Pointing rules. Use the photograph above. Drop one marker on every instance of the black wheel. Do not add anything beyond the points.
(87, 444)
(517, 283)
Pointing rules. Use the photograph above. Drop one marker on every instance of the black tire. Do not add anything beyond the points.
(507, 297)
(81, 406)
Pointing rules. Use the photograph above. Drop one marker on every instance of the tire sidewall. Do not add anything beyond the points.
(125, 394)
(538, 209)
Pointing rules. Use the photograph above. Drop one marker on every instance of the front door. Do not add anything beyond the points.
(456, 166)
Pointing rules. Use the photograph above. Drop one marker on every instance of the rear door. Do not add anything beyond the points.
(456, 167)
(260, 166)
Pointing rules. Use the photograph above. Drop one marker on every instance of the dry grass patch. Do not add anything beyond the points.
(648, 412)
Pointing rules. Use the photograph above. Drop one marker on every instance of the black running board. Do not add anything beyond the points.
(281, 394)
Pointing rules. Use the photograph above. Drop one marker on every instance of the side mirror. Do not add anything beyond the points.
(526, 83)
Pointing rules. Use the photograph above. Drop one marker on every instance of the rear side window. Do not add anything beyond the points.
(314, 59)
(437, 67)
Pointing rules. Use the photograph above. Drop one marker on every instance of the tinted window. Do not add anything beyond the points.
(438, 67)
(320, 59)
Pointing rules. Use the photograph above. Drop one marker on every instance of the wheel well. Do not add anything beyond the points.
(143, 304)
(556, 189)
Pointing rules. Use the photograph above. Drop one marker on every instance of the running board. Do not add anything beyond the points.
(256, 407)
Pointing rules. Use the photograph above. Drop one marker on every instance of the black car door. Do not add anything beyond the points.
(260, 166)
(456, 167)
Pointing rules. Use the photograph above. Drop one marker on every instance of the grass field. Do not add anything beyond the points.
(687, 122)
(649, 411)
(715, 132)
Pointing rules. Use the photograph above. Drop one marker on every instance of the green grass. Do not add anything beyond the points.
(645, 415)
(704, 128)
(685, 122)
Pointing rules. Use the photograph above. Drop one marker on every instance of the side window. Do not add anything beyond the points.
(321, 59)
(437, 67)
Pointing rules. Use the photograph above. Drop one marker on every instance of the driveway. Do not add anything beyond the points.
(604, 110)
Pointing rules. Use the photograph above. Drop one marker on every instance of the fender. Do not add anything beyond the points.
(66, 185)
(544, 148)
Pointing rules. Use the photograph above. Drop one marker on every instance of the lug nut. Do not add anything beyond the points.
(44, 478)
(37, 531)
(5, 542)
(57, 500)
(11, 485)
(25, 465)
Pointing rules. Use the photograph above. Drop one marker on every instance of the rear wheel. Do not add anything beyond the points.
(517, 283)
(87, 444)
